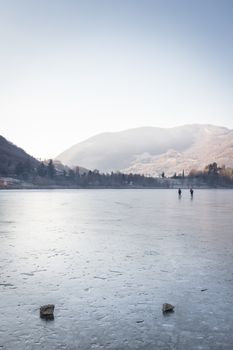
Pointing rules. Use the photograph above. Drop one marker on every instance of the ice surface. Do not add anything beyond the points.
(108, 260)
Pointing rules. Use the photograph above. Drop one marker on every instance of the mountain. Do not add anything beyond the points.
(151, 150)
(11, 155)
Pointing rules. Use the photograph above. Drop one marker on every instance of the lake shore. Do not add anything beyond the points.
(13, 183)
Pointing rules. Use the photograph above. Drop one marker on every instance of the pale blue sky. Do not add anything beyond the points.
(71, 69)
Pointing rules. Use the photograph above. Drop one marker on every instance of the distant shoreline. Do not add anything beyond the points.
(95, 180)
(111, 188)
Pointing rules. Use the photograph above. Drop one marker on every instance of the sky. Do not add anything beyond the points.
(71, 69)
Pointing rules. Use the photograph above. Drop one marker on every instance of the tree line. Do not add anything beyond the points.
(46, 173)
(213, 175)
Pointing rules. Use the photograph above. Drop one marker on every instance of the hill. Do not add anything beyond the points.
(11, 156)
(151, 150)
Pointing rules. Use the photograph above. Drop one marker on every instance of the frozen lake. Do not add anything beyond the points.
(108, 260)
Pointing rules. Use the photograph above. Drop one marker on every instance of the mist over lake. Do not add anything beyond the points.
(108, 260)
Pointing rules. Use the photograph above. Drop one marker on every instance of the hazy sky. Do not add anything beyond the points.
(70, 69)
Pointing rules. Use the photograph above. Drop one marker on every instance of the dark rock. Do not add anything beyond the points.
(168, 308)
(46, 311)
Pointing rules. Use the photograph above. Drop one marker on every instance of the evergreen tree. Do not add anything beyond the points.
(51, 169)
(41, 170)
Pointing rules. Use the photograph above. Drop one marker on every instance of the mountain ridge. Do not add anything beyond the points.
(152, 150)
(11, 155)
